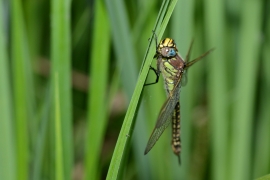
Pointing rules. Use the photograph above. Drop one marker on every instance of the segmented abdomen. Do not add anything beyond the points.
(176, 140)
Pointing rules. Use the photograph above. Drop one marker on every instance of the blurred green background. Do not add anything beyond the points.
(68, 70)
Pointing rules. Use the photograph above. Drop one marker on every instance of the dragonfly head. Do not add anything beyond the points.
(167, 48)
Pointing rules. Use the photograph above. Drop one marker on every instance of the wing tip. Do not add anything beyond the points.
(146, 150)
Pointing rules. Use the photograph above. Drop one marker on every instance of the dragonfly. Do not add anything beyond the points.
(173, 68)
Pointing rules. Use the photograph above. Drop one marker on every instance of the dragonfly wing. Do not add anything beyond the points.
(168, 108)
(188, 64)
(155, 135)
(164, 118)
(184, 78)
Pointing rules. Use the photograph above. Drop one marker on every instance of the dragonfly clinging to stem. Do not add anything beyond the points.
(172, 66)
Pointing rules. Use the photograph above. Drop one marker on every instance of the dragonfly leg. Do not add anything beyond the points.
(157, 76)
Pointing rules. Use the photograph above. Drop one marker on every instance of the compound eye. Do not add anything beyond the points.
(171, 52)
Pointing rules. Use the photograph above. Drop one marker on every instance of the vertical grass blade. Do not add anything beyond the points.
(126, 64)
(61, 65)
(245, 89)
(128, 67)
(20, 61)
(217, 87)
(98, 94)
(7, 150)
(59, 171)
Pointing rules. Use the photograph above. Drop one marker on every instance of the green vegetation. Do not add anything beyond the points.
(73, 104)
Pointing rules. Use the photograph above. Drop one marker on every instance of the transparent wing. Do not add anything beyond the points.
(164, 118)
(188, 64)
(184, 79)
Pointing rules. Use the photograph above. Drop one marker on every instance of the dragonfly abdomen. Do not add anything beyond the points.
(176, 140)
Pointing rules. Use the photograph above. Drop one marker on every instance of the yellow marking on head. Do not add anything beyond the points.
(167, 42)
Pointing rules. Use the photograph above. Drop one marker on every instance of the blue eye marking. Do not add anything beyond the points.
(171, 52)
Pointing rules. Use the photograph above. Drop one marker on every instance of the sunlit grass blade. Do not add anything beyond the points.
(59, 166)
(246, 80)
(123, 139)
(61, 65)
(21, 88)
(7, 150)
(98, 102)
